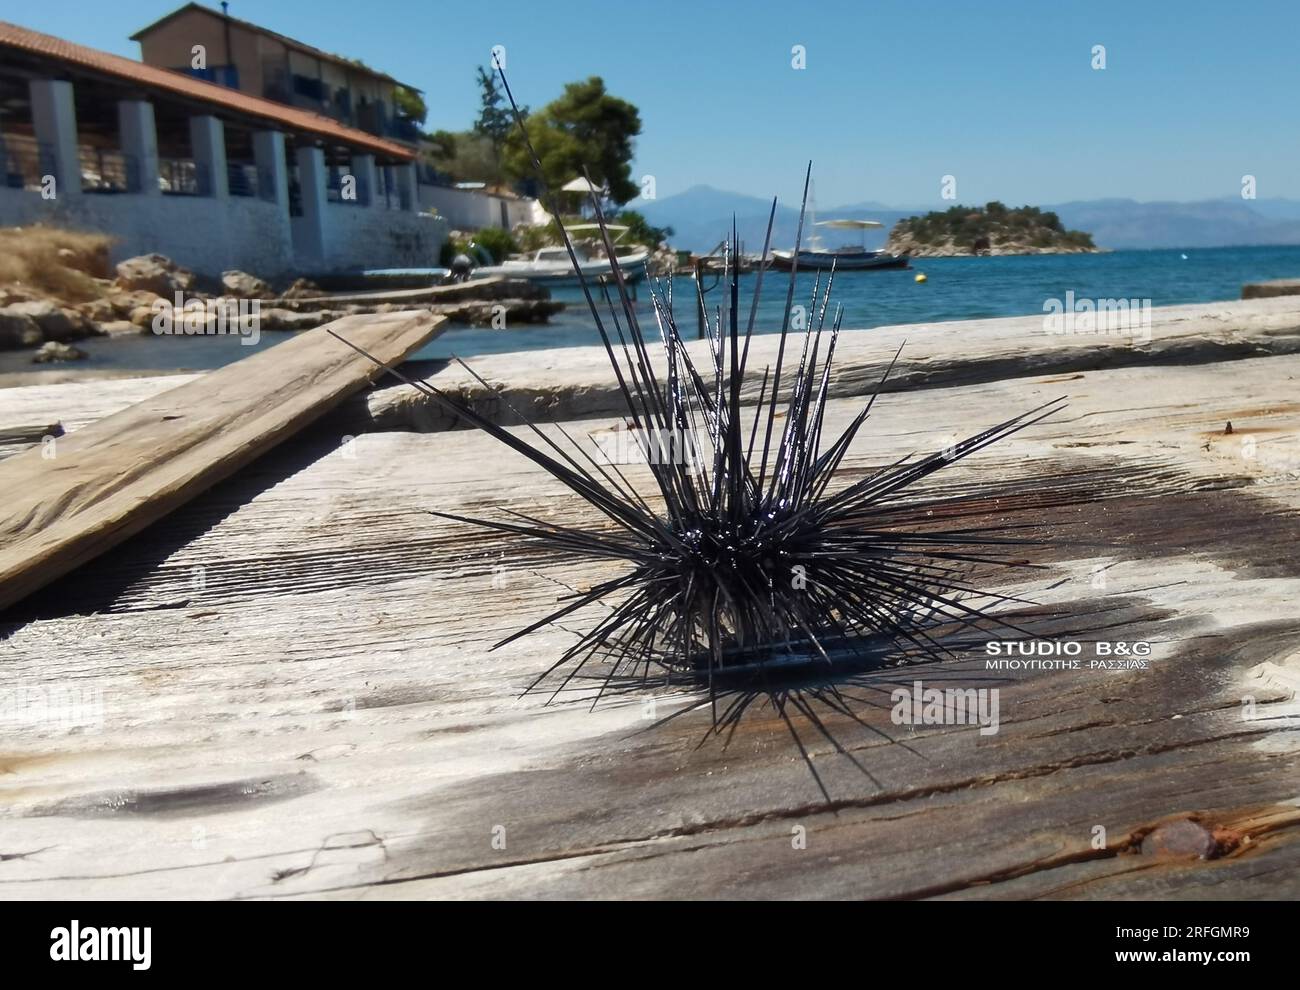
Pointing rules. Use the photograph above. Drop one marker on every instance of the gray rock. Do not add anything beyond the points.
(55, 323)
(288, 320)
(302, 287)
(18, 330)
(143, 316)
(126, 303)
(52, 351)
(98, 310)
(155, 273)
(241, 285)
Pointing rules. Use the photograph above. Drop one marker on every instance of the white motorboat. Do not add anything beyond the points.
(552, 265)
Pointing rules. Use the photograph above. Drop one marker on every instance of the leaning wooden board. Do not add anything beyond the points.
(110, 480)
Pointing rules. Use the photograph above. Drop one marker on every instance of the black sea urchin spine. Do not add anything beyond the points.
(736, 570)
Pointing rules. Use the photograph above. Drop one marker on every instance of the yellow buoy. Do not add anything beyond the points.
(920, 276)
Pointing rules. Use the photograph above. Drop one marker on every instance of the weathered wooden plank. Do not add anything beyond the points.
(575, 382)
(285, 690)
(15, 439)
(93, 489)
(1267, 290)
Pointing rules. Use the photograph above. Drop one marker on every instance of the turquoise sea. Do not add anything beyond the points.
(956, 289)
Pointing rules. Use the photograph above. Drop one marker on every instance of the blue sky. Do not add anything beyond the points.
(999, 93)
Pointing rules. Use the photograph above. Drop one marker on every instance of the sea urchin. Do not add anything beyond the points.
(746, 556)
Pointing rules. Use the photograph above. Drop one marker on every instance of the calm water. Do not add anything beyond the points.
(957, 289)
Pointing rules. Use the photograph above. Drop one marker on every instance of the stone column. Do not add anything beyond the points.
(363, 167)
(208, 146)
(311, 186)
(138, 136)
(54, 118)
(272, 169)
(410, 194)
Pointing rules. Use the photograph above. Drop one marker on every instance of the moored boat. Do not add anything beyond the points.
(851, 257)
(552, 265)
(843, 260)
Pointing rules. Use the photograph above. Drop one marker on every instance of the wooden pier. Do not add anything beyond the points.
(284, 688)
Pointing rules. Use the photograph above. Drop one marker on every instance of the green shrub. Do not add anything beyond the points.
(497, 242)
(535, 238)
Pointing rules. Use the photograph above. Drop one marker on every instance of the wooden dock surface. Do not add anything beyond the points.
(284, 688)
(1268, 290)
(69, 500)
(575, 382)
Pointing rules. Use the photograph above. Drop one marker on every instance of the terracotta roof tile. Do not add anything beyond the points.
(176, 83)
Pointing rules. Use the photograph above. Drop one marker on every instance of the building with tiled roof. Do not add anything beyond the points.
(212, 45)
(213, 176)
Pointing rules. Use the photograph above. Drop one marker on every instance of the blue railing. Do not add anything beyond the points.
(24, 162)
(109, 171)
(393, 195)
(184, 177)
(241, 179)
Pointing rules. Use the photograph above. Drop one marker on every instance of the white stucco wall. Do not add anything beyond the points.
(468, 209)
(211, 236)
(373, 237)
(206, 235)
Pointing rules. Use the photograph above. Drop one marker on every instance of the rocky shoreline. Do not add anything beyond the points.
(80, 297)
(914, 249)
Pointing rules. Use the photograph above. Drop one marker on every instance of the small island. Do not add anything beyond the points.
(992, 229)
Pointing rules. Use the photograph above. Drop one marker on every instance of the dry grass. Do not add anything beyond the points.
(31, 259)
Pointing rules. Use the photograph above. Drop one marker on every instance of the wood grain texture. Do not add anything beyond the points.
(76, 404)
(69, 503)
(285, 689)
(575, 382)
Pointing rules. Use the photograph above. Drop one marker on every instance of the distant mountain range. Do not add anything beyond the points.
(701, 216)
